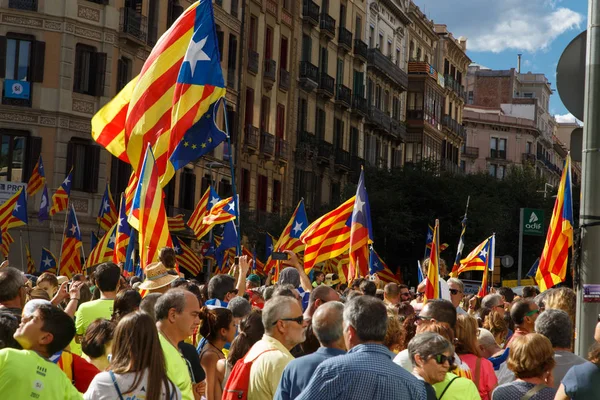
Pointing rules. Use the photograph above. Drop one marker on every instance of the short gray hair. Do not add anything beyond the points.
(491, 300)
(240, 307)
(275, 309)
(368, 316)
(289, 276)
(428, 344)
(556, 326)
(485, 338)
(458, 282)
(174, 298)
(328, 322)
(11, 281)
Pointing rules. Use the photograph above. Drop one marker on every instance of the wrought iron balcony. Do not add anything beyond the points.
(343, 96)
(309, 75)
(359, 105)
(324, 151)
(306, 138)
(133, 24)
(326, 85)
(310, 12)
(344, 38)
(327, 25)
(342, 160)
(252, 61)
(270, 73)
(267, 143)
(453, 126)
(456, 87)
(473, 152)
(450, 166)
(284, 79)
(281, 149)
(376, 60)
(251, 139)
(379, 119)
(29, 5)
(361, 50)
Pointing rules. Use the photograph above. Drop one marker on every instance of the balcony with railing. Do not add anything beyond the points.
(454, 126)
(252, 61)
(528, 158)
(359, 105)
(343, 96)
(281, 149)
(267, 144)
(344, 38)
(270, 73)
(456, 87)
(284, 80)
(379, 119)
(306, 138)
(309, 75)
(470, 152)
(251, 137)
(28, 5)
(133, 25)
(361, 50)
(310, 12)
(398, 129)
(342, 160)
(327, 25)
(324, 151)
(326, 85)
(415, 114)
(384, 64)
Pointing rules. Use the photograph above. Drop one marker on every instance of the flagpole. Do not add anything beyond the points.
(233, 188)
(21, 241)
(63, 234)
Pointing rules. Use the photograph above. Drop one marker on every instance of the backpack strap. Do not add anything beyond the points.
(114, 381)
(258, 355)
(447, 386)
(533, 391)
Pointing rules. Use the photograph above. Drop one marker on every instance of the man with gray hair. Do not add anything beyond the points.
(557, 327)
(457, 293)
(489, 349)
(327, 323)
(13, 291)
(367, 371)
(494, 302)
(284, 328)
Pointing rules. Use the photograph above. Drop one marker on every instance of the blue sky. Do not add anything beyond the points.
(499, 29)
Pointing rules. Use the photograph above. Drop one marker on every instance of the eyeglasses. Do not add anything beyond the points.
(420, 294)
(454, 292)
(532, 312)
(442, 358)
(500, 306)
(299, 320)
(421, 318)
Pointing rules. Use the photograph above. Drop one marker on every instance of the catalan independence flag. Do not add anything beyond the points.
(185, 256)
(176, 223)
(428, 241)
(30, 264)
(104, 249)
(328, 236)
(70, 257)
(107, 215)
(208, 199)
(37, 179)
(553, 263)
(60, 199)
(459, 249)
(129, 267)
(7, 240)
(48, 260)
(476, 260)
(123, 234)
(379, 267)
(221, 213)
(148, 210)
(432, 284)
(361, 231)
(290, 237)
(487, 256)
(7, 208)
(19, 214)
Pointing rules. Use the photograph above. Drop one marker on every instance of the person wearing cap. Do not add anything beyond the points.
(252, 281)
(158, 279)
(295, 276)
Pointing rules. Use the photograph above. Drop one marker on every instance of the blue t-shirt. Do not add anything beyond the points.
(582, 381)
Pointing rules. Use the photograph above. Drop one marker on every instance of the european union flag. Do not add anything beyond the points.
(44, 212)
(200, 139)
(48, 260)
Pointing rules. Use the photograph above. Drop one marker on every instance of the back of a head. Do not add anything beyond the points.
(530, 356)
(519, 310)
(219, 286)
(240, 307)
(268, 292)
(289, 276)
(391, 290)
(356, 283)
(11, 281)
(251, 330)
(368, 288)
(213, 320)
(148, 303)
(439, 328)
(98, 334)
(491, 300)
(562, 298)
(173, 299)
(441, 311)
(556, 326)
(167, 257)
(495, 323)
(322, 293)
(127, 301)
(275, 309)
(529, 292)
(107, 276)
(328, 323)
(8, 325)
(507, 293)
(59, 324)
(286, 290)
(466, 335)
(486, 339)
(368, 316)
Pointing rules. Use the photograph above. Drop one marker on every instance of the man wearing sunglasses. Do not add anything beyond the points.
(457, 293)
(523, 313)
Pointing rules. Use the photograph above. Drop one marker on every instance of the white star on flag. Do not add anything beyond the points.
(17, 205)
(47, 262)
(358, 205)
(121, 220)
(297, 227)
(67, 181)
(195, 53)
(73, 229)
(271, 248)
(213, 201)
(484, 253)
(111, 240)
(177, 249)
(106, 205)
(429, 237)
(232, 206)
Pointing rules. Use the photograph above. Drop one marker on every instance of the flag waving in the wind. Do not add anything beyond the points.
(122, 236)
(176, 223)
(476, 260)
(553, 263)
(48, 261)
(208, 199)
(459, 249)
(268, 245)
(70, 257)
(487, 256)
(379, 267)
(19, 214)
(185, 256)
(428, 241)
(432, 283)
(37, 179)
(44, 212)
(230, 240)
(221, 213)
(361, 231)
(130, 257)
(30, 263)
(7, 208)
(60, 199)
(290, 237)
(107, 215)
(104, 249)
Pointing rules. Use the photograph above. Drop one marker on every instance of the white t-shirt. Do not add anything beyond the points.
(103, 388)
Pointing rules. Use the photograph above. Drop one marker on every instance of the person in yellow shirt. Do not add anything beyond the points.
(28, 373)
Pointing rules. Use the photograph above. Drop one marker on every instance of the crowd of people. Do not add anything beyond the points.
(240, 336)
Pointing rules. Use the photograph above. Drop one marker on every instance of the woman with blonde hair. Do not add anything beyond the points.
(531, 358)
(482, 370)
(495, 323)
(394, 337)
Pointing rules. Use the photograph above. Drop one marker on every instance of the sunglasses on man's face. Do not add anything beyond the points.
(454, 292)
(532, 312)
(299, 320)
(442, 358)
(420, 294)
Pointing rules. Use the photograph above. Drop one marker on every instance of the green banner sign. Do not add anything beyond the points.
(533, 222)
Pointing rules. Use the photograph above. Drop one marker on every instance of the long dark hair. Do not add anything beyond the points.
(250, 331)
(136, 348)
(127, 301)
(212, 321)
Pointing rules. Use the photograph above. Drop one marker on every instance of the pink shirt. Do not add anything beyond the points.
(487, 377)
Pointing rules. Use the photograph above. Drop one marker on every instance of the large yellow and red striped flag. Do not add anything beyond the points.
(221, 213)
(7, 240)
(7, 208)
(553, 263)
(476, 260)
(37, 179)
(432, 283)
(290, 237)
(202, 209)
(60, 198)
(328, 236)
(70, 255)
(148, 212)
(104, 249)
(186, 257)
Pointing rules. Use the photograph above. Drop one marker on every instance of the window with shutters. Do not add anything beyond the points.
(225, 188)
(22, 60)
(153, 11)
(320, 122)
(338, 133)
(302, 114)
(283, 53)
(265, 113)
(280, 123)
(187, 189)
(269, 43)
(124, 65)
(252, 40)
(234, 8)
(119, 177)
(84, 157)
(90, 67)
(306, 48)
(354, 141)
(18, 154)
(170, 197)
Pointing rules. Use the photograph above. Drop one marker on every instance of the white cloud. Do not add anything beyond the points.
(496, 26)
(566, 118)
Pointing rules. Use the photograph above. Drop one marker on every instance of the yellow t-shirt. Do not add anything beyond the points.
(267, 369)
(461, 388)
(177, 369)
(86, 314)
(26, 375)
